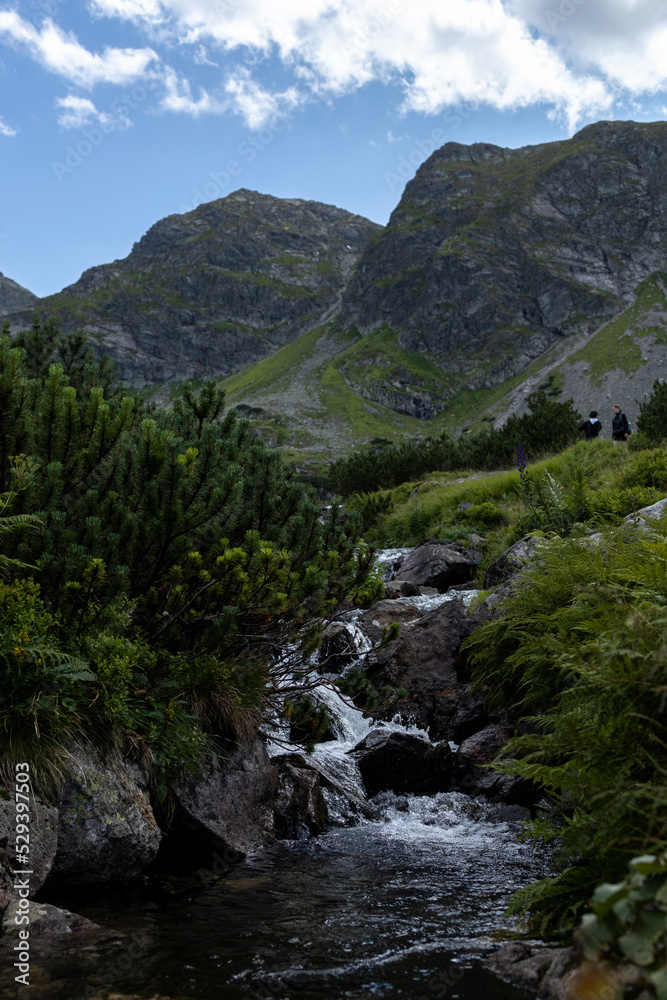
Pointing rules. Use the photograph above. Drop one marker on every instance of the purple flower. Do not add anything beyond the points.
(521, 460)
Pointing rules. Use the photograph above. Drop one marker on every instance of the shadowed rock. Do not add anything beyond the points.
(403, 763)
(438, 564)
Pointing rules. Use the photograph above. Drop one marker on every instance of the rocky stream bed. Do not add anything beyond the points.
(380, 864)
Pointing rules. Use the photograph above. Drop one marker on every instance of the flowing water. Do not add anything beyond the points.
(401, 905)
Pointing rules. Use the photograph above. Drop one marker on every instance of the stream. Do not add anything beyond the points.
(401, 905)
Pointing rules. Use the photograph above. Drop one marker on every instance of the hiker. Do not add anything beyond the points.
(591, 427)
(620, 428)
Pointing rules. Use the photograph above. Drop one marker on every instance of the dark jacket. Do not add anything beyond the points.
(591, 428)
(619, 426)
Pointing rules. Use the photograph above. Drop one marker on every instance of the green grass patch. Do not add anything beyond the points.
(615, 346)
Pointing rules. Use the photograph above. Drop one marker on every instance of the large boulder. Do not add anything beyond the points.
(512, 562)
(43, 843)
(339, 647)
(385, 613)
(300, 808)
(427, 662)
(342, 794)
(48, 921)
(231, 807)
(439, 564)
(642, 519)
(403, 763)
(106, 828)
(473, 775)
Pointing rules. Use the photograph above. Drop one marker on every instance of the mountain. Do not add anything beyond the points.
(494, 254)
(13, 296)
(211, 291)
(500, 271)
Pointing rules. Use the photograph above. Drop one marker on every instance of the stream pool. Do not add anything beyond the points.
(403, 907)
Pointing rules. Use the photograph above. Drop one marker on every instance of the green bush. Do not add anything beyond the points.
(581, 653)
(487, 514)
(175, 554)
(627, 930)
(549, 426)
(646, 469)
(652, 420)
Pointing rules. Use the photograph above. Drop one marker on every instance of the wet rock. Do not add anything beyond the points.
(403, 763)
(401, 588)
(384, 614)
(512, 562)
(473, 776)
(43, 844)
(300, 808)
(232, 806)
(426, 661)
(548, 972)
(106, 828)
(345, 806)
(48, 921)
(438, 564)
(338, 648)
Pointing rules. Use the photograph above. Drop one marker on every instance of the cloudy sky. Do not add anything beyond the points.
(115, 113)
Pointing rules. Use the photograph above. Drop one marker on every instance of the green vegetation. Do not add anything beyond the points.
(579, 652)
(615, 345)
(549, 426)
(164, 557)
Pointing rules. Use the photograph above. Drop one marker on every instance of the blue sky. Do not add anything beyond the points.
(116, 113)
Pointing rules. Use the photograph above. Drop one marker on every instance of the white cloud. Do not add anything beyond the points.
(503, 53)
(78, 112)
(442, 53)
(178, 97)
(7, 129)
(625, 40)
(257, 105)
(61, 53)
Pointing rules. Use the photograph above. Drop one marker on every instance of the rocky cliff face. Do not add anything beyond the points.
(212, 291)
(14, 296)
(493, 254)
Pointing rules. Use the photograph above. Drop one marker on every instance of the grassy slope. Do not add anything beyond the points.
(311, 411)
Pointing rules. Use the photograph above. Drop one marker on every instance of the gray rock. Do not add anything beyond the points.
(300, 808)
(401, 588)
(48, 921)
(493, 254)
(338, 648)
(512, 562)
(386, 613)
(403, 763)
(43, 842)
(473, 776)
(427, 662)
(438, 564)
(642, 518)
(548, 972)
(232, 806)
(14, 296)
(346, 805)
(106, 828)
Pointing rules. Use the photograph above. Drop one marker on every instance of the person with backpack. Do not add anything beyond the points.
(591, 427)
(620, 426)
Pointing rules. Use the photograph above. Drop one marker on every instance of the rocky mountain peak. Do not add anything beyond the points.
(14, 296)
